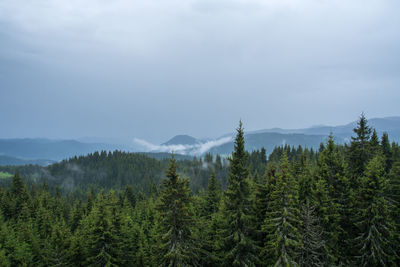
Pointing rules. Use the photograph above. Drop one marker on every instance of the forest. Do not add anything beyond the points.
(338, 206)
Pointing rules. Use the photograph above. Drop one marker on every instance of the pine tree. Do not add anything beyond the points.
(282, 221)
(376, 229)
(213, 196)
(393, 196)
(374, 144)
(131, 240)
(19, 194)
(305, 179)
(359, 152)
(176, 244)
(313, 243)
(100, 240)
(57, 252)
(130, 195)
(387, 151)
(262, 200)
(240, 248)
(206, 227)
(332, 192)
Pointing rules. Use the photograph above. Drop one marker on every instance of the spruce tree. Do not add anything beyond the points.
(332, 193)
(313, 243)
(387, 151)
(282, 221)
(99, 238)
(374, 146)
(394, 198)
(359, 152)
(240, 248)
(213, 196)
(262, 202)
(176, 243)
(376, 228)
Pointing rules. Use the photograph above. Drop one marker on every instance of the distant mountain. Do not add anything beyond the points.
(181, 140)
(33, 149)
(12, 161)
(25, 151)
(310, 137)
(391, 125)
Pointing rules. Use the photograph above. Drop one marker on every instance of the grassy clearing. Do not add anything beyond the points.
(5, 175)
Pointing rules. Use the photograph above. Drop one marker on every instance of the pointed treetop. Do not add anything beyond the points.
(171, 171)
(362, 130)
(239, 150)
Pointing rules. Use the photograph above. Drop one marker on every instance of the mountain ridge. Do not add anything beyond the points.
(46, 150)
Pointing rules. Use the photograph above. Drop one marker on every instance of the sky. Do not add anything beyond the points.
(152, 69)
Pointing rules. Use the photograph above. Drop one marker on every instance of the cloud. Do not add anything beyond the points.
(196, 149)
(134, 61)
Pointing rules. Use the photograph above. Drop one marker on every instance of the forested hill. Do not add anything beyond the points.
(115, 170)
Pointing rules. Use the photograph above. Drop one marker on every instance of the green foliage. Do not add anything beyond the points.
(338, 206)
(282, 221)
(375, 226)
(359, 150)
(240, 249)
(313, 243)
(213, 196)
(176, 244)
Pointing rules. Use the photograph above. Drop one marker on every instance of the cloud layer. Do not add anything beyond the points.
(152, 68)
(196, 149)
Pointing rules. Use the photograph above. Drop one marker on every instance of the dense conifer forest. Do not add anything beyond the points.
(338, 206)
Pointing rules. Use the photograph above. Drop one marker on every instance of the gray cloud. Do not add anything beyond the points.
(153, 69)
(195, 149)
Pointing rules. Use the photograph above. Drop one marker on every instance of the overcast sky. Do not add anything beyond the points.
(152, 69)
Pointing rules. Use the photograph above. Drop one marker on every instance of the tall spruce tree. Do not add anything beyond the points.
(282, 221)
(176, 243)
(376, 228)
(359, 150)
(240, 248)
(333, 191)
(262, 202)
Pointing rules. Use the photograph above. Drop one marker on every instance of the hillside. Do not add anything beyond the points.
(115, 170)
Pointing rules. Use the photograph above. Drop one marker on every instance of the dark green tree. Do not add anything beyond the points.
(176, 244)
(262, 202)
(239, 247)
(387, 151)
(99, 238)
(282, 221)
(374, 144)
(394, 198)
(213, 195)
(333, 199)
(313, 243)
(376, 228)
(359, 150)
